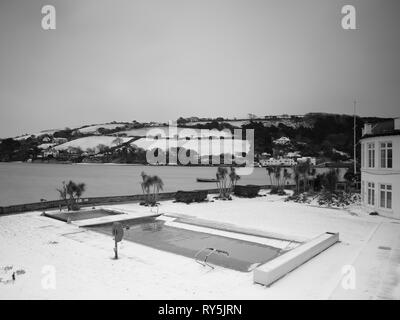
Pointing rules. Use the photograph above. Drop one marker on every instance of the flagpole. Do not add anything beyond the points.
(354, 137)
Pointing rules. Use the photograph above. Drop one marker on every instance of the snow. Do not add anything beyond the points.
(165, 131)
(90, 142)
(45, 146)
(84, 268)
(38, 134)
(203, 147)
(340, 152)
(94, 128)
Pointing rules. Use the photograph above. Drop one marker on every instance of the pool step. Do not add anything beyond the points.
(275, 269)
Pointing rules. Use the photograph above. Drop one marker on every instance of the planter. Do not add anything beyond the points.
(248, 191)
(191, 196)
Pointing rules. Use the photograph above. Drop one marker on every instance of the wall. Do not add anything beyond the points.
(93, 201)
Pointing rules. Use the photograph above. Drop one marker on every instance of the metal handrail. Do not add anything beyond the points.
(212, 250)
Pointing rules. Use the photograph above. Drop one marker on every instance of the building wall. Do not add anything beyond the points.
(379, 176)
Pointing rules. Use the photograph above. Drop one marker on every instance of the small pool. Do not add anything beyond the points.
(243, 255)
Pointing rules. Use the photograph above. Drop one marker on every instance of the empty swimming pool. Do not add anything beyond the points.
(155, 233)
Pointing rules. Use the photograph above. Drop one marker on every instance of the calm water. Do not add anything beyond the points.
(30, 182)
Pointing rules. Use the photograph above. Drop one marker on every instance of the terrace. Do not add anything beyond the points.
(84, 264)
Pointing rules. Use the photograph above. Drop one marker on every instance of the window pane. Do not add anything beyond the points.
(383, 159)
(389, 156)
(383, 199)
(389, 187)
(389, 200)
(373, 158)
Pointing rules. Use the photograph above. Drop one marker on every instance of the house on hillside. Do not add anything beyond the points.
(282, 141)
(50, 153)
(277, 162)
(313, 160)
(60, 140)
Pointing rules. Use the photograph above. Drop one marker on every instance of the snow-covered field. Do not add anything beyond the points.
(79, 263)
(90, 142)
(94, 128)
(203, 147)
(175, 131)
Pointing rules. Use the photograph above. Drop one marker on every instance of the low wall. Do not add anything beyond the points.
(83, 202)
(37, 206)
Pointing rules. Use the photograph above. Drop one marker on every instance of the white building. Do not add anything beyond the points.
(278, 162)
(313, 160)
(380, 168)
(282, 140)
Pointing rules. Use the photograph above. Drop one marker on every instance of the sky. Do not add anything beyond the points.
(157, 60)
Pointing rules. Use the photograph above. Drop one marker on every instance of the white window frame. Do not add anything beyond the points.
(371, 154)
(385, 148)
(386, 188)
(371, 194)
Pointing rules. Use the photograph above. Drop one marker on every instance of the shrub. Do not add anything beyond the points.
(191, 196)
(277, 190)
(248, 191)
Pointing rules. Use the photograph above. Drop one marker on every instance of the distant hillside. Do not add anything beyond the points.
(321, 135)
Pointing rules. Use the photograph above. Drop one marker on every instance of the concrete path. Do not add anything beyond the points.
(376, 267)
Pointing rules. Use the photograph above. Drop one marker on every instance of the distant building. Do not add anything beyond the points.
(282, 140)
(46, 139)
(313, 161)
(277, 162)
(295, 154)
(60, 140)
(51, 152)
(380, 168)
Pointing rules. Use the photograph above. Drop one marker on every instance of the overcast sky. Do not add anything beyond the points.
(157, 60)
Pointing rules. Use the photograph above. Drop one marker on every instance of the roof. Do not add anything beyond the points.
(384, 128)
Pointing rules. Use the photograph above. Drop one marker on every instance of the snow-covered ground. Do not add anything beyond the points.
(90, 142)
(94, 128)
(203, 147)
(171, 131)
(37, 246)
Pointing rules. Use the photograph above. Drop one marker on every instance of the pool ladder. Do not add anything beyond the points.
(212, 251)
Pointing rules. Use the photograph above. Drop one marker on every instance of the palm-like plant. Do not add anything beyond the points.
(148, 183)
(270, 171)
(286, 176)
(71, 192)
(233, 178)
(221, 176)
(158, 185)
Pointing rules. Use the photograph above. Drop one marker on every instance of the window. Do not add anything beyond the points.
(371, 193)
(362, 155)
(386, 196)
(371, 155)
(386, 155)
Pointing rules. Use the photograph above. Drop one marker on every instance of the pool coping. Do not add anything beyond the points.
(235, 229)
(105, 220)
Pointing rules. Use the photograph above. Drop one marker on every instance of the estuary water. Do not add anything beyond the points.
(30, 182)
